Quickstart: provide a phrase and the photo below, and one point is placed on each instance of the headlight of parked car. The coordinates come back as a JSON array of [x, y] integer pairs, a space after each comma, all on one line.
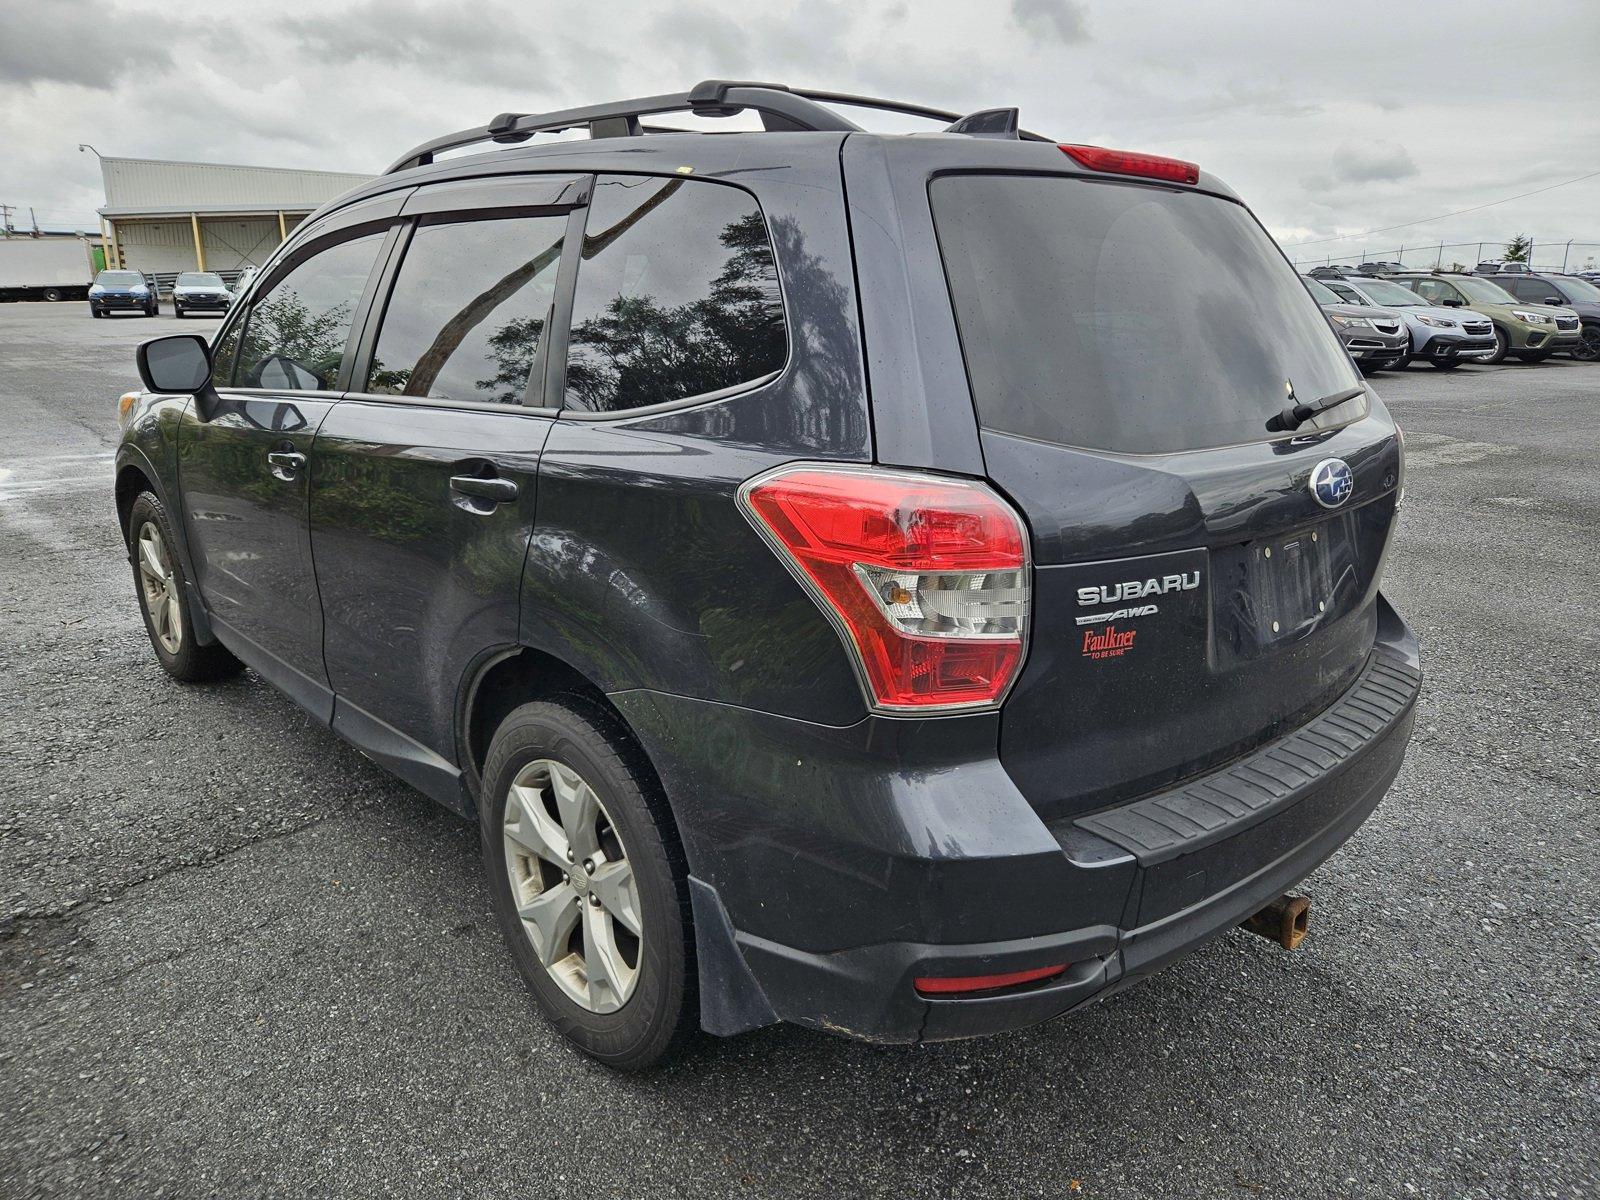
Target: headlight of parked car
[[1532, 318], [1345, 322], [1438, 322]]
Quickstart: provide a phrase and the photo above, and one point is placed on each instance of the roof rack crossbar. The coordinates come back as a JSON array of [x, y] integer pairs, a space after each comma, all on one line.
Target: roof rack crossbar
[[782, 109]]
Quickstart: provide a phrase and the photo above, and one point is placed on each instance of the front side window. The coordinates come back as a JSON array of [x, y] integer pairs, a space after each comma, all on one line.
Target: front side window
[[677, 295], [468, 310], [1435, 291], [296, 332]]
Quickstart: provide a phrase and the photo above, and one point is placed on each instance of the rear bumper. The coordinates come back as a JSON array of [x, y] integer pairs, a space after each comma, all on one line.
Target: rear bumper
[[832, 868]]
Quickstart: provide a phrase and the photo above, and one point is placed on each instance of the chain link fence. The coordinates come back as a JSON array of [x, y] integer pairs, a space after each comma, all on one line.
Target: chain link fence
[[1421, 256]]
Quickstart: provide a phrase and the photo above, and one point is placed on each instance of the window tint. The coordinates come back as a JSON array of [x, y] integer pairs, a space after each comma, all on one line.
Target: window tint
[[677, 295], [1122, 317], [296, 332], [468, 310]]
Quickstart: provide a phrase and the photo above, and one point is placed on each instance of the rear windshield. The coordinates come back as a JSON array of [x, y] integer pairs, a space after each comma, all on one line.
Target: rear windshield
[[1130, 318]]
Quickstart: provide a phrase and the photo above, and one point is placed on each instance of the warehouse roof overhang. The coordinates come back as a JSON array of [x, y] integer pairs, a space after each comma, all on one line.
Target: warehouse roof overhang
[[207, 210]]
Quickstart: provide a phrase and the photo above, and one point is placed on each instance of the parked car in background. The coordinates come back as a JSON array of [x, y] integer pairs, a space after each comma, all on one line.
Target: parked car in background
[[801, 649], [1380, 268], [1530, 332], [123, 291], [241, 285], [1374, 337], [1445, 337], [1496, 266], [1567, 291], [199, 291]]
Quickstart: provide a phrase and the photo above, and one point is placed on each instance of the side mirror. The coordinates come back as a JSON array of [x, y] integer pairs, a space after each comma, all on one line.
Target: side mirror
[[1451, 302], [1556, 300], [180, 362]]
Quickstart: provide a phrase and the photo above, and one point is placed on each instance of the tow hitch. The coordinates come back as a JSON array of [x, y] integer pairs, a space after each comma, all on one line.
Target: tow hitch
[[1284, 921]]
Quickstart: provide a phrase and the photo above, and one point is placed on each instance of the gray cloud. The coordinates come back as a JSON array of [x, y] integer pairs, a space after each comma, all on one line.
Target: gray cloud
[[1064, 20], [78, 42], [712, 37], [489, 44], [1372, 162]]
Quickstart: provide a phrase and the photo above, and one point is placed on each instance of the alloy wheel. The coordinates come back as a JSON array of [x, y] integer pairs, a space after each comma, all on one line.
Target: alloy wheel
[[158, 588], [573, 886], [1588, 348]]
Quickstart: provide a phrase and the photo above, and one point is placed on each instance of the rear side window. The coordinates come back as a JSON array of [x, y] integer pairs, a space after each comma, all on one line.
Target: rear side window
[[1129, 318], [469, 309], [677, 295], [296, 332]]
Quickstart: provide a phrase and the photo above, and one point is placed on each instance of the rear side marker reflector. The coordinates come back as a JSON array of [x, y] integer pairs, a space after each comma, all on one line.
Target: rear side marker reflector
[[925, 577], [1129, 162], [963, 984]]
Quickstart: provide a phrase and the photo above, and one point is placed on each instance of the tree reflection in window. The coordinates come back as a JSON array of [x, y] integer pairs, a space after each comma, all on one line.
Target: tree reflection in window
[[677, 295], [295, 335], [459, 325]]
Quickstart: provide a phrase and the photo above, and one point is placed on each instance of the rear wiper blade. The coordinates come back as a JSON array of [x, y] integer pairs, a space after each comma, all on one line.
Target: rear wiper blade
[[1296, 414]]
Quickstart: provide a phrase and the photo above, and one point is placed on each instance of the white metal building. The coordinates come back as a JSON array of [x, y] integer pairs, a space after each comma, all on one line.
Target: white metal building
[[165, 217]]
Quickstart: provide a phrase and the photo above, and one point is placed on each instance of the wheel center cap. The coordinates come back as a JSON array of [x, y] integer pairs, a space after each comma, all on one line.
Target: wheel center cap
[[580, 880]]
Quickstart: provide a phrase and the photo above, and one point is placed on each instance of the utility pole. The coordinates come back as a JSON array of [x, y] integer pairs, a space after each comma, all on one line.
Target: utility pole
[[5, 218], [34, 217]]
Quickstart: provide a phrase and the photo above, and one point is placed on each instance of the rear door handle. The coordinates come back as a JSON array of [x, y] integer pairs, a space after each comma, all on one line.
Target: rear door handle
[[285, 464], [493, 489]]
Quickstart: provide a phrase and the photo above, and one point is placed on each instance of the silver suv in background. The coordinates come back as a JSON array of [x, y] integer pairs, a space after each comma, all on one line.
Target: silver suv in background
[[1445, 337], [1374, 337]]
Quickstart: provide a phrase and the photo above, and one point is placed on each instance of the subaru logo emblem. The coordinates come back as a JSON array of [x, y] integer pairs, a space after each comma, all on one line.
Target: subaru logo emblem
[[1331, 482]]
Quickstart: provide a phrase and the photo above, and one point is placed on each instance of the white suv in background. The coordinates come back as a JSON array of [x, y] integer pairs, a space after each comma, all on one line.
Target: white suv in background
[[1444, 337]]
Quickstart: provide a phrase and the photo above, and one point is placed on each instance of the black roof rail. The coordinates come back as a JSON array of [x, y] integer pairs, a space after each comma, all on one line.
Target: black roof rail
[[782, 110]]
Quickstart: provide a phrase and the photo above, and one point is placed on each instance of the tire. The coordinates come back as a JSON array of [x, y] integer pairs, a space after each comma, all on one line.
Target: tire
[[1588, 347], [658, 1006], [1502, 346], [177, 310], [96, 313], [1447, 364], [54, 294], [180, 656], [1401, 363]]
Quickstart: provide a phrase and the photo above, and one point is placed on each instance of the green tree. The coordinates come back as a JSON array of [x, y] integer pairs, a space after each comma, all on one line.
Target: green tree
[[1518, 248]]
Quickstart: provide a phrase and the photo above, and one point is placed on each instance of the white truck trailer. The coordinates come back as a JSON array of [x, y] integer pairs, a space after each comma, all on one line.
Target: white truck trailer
[[45, 268]]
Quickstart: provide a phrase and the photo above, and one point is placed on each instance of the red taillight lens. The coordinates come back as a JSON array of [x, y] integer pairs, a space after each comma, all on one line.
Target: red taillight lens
[[945, 986], [1129, 162], [927, 578]]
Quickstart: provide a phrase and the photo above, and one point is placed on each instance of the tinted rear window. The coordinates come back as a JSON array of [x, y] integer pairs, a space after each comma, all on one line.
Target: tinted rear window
[[1129, 318]]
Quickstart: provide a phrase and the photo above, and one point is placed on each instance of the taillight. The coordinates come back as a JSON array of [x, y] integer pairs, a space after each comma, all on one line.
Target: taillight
[[926, 578], [1129, 162]]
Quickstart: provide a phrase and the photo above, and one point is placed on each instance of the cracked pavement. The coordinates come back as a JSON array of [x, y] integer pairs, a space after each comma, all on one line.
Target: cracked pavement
[[238, 959]]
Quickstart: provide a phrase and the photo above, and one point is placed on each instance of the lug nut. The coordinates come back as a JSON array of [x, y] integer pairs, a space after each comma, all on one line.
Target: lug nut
[[570, 856], [588, 865], [594, 901]]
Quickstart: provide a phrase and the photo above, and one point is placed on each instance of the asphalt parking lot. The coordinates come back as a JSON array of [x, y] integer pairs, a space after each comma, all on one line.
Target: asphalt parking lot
[[236, 958]]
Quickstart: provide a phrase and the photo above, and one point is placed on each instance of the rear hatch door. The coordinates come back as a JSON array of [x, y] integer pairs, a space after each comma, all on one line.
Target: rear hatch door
[[1203, 582]]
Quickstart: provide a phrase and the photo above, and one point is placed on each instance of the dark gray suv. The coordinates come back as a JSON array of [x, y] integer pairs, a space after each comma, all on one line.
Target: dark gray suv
[[836, 596]]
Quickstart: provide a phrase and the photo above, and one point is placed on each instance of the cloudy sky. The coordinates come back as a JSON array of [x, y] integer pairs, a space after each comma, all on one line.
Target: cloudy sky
[[1329, 118]]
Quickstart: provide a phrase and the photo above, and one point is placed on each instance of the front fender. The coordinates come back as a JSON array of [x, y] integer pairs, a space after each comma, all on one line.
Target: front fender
[[149, 450]]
